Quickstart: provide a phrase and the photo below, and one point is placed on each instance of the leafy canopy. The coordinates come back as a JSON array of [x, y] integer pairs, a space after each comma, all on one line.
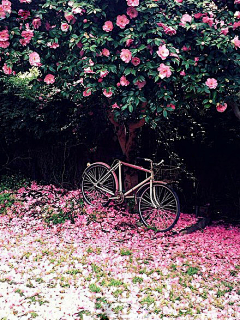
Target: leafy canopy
[[174, 54]]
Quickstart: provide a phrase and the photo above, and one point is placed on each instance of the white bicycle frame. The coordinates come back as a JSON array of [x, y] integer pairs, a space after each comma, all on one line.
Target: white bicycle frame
[[126, 194]]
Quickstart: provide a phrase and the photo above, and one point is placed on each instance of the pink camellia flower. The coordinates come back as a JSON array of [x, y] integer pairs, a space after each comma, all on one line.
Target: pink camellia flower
[[64, 27], [24, 14], [6, 69], [27, 34], [122, 21], [237, 1], [179, 1], [34, 59], [132, 12], [133, 3], [53, 45], [163, 52], [115, 106], [69, 17], [236, 42], [108, 26], [182, 73], [107, 94], [237, 14], [2, 12], [103, 73], [4, 35], [124, 81], [198, 15], [236, 25], [129, 42], [25, 1], [126, 55], [87, 92], [221, 107], [88, 70], [135, 61], [36, 23], [49, 79], [172, 106], [186, 18], [211, 83], [105, 52], [140, 84], [208, 20], [224, 31], [164, 71], [4, 44], [6, 6], [169, 31]]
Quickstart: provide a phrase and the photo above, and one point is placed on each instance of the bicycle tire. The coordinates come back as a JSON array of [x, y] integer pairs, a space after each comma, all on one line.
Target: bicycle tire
[[95, 193], [163, 213]]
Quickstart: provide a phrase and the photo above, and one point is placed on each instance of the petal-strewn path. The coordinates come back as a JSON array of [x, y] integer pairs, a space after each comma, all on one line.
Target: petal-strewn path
[[106, 266]]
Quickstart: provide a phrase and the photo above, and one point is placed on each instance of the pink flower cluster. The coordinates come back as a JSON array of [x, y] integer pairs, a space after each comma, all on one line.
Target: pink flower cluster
[[163, 52], [126, 55], [221, 107], [4, 39], [108, 26], [36, 23], [170, 31], [132, 12], [5, 8], [6, 69], [24, 14], [211, 83], [133, 3], [27, 36], [122, 21], [49, 79]]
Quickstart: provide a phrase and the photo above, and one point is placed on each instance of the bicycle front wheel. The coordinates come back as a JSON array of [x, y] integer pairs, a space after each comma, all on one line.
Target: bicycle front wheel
[[98, 184], [161, 210]]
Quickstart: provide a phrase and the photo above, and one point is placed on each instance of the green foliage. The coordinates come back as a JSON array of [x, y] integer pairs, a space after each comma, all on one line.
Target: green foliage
[[13, 182], [6, 201]]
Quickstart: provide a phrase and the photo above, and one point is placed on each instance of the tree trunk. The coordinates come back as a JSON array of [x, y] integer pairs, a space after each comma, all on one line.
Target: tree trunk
[[127, 138]]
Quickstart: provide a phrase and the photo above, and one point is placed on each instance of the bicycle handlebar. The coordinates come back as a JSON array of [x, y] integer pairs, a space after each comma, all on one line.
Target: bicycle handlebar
[[145, 159]]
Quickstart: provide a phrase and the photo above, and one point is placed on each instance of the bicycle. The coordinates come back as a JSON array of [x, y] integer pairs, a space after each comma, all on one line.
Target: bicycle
[[158, 204]]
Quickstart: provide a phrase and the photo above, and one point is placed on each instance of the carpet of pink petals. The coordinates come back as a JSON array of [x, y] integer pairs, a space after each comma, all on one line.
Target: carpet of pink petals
[[107, 266]]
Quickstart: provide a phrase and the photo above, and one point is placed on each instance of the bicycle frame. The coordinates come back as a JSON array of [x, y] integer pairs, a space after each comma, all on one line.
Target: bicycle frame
[[118, 166]]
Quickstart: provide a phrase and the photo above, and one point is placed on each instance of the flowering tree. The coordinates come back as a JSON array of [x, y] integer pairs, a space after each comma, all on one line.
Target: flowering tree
[[142, 59]]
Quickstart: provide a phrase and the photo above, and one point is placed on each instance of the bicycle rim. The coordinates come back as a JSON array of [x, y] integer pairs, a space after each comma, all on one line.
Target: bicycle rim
[[163, 212], [98, 185]]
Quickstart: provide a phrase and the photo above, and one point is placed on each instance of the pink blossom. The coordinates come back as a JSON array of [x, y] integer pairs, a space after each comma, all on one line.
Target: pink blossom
[[224, 31], [208, 20], [211, 83], [49, 79], [4, 44], [78, 10], [108, 26], [129, 42], [132, 12], [135, 61], [140, 84], [87, 92], [133, 3], [88, 70], [6, 69], [6, 6], [107, 94], [122, 21], [182, 73], [124, 81], [172, 106], [2, 12], [179, 1], [53, 45], [186, 18], [237, 1], [24, 14], [169, 31], [36, 23], [221, 107], [198, 15], [185, 48], [24, 41], [25, 1], [126, 55], [236, 42], [4, 35], [115, 106], [103, 73], [237, 14], [236, 25], [64, 27], [27, 34], [69, 17], [34, 59], [163, 52], [105, 52], [164, 71]]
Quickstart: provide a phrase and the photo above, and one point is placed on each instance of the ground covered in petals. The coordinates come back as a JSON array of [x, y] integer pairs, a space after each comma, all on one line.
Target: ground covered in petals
[[62, 260]]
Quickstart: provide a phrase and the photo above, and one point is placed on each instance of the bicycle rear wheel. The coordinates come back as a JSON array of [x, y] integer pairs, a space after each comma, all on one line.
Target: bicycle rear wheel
[[161, 212], [98, 184]]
